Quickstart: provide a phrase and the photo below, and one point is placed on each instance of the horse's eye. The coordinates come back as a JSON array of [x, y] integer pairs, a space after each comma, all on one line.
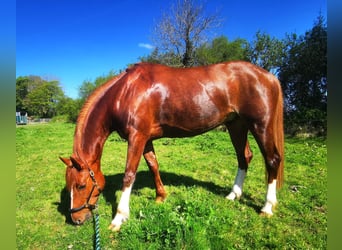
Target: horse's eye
[[81, 187]]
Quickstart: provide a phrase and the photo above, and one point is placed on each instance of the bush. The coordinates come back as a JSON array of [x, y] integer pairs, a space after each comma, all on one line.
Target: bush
[[311, 122], [59, 118]]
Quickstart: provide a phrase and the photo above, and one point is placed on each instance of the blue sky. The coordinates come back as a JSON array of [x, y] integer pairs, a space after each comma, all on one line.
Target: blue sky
[[73, 41]]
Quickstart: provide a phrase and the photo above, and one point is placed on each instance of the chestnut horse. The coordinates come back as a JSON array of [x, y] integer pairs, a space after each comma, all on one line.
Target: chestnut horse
[[150, 101]]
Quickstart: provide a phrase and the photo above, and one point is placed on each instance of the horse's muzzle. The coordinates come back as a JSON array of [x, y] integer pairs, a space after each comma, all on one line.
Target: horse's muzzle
[[80, 219]]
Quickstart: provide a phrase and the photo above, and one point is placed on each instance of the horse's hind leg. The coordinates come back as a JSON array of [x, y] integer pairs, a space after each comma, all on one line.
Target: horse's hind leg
[[151, 160], [265, 140], [238, 134]]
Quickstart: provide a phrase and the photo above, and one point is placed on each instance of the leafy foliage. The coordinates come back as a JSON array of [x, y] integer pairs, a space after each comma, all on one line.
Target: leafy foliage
[[266, 52], [70, 107], [303, 75], [37, 96], [22, 84], [88, 86], [221, 50]]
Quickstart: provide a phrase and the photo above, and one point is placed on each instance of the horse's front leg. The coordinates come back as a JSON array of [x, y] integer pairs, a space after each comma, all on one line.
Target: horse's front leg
[[238, 134], [136, 144], [241, 174]]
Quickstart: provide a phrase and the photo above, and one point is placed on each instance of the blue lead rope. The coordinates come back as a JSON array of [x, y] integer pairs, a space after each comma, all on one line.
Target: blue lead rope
[[97, 231]]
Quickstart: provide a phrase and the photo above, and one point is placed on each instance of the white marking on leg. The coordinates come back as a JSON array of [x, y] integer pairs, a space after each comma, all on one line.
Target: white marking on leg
[[122, 212], [271, 198], [237, 187]]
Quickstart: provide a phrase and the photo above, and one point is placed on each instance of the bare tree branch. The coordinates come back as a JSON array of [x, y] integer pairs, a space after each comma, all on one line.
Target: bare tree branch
[[183, 29]]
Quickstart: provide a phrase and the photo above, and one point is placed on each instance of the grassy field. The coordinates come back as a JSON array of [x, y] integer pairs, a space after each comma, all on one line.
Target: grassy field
[[197, 172]]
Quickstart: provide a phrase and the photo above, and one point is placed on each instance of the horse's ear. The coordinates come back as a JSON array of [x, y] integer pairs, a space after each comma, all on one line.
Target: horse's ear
[[71, 162], [66, 161], [75, 163]]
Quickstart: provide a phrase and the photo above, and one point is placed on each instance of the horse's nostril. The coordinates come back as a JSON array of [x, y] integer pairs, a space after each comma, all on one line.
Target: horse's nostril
[[78, 222]]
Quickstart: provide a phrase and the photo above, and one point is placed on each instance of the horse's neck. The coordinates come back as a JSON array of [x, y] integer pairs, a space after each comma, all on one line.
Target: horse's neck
[[88, 143], [94, 123], [91, 134]]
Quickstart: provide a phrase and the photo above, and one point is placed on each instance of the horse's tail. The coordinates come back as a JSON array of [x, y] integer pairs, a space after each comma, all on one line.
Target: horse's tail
[[278, 128]]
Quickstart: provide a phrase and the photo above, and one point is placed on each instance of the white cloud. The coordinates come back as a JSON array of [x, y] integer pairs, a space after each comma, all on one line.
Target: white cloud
[[146, 45]]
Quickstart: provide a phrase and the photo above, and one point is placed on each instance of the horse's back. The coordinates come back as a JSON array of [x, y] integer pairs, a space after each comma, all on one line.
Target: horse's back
[[227, 86], [239, 72]]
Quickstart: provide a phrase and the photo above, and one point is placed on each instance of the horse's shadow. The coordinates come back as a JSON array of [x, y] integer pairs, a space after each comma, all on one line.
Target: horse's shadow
[[145, 179], [64, 205]]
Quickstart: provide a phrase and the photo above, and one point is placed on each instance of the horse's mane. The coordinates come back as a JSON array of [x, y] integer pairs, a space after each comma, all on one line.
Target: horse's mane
[[93, 98]]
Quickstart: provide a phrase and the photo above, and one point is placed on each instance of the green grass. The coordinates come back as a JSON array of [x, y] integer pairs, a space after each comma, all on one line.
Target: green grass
[[197, 172]]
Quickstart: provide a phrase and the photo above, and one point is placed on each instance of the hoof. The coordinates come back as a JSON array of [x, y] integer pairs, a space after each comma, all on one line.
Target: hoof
[[265, 215], [232, 196], [114, 228], [267, 210], [275, 205], [160, 199]]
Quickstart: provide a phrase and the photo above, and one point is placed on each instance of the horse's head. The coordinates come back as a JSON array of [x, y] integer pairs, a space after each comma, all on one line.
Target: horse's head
[[85, 186]]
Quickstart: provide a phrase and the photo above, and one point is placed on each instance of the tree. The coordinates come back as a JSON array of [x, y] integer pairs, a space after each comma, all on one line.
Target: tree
[[303, 75], [37, 96], [182, 29], [266, 52], [43, 99], [21, 90], [69, 107], [85, 89], [221, 50], [88, 87]]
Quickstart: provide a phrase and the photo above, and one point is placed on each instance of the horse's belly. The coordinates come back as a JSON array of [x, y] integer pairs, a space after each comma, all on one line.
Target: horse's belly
[[188, 123]]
